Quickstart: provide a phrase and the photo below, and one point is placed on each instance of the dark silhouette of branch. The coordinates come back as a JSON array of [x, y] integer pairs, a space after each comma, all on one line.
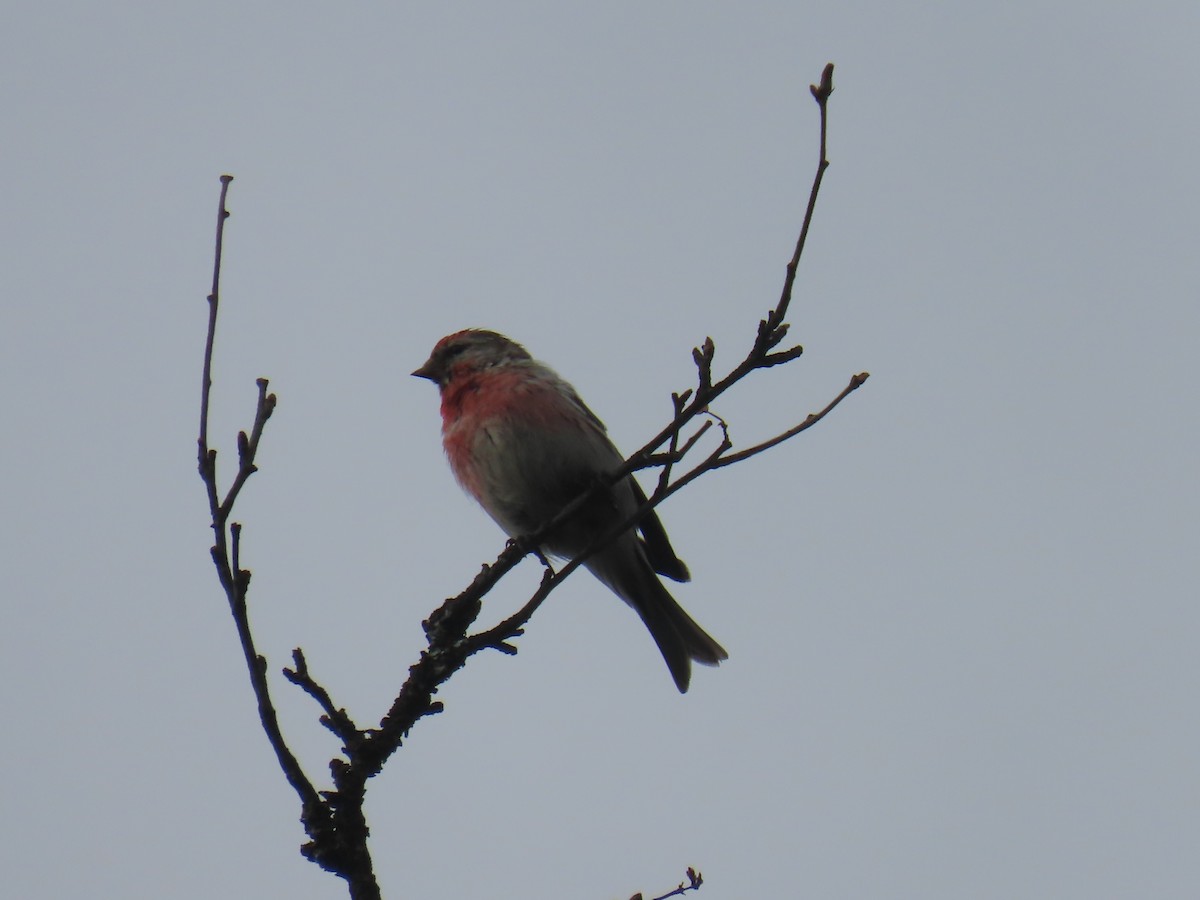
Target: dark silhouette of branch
[[694, 880], [341, 830], [333, 819]]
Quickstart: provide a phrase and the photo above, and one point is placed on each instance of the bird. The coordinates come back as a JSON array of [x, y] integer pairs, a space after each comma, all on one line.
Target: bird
[[522, 443]]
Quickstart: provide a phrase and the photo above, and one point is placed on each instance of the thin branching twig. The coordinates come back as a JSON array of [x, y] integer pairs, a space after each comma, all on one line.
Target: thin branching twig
[[341, 831], [694, 880]]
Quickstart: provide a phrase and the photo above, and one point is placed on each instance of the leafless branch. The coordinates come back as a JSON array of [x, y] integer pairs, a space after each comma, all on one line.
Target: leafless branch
[[333, 819], [335, 719], [694, 880], [334, 827]]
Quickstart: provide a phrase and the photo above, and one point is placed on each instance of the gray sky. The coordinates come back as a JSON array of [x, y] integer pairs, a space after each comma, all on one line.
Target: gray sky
[[961, 612]]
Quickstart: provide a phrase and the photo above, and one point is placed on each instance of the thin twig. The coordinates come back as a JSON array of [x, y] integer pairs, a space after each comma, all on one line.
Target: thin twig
[[335, 719], [248, 447], [213, 300], [694, 880], [855, 383], [821, 94], [677, 403]]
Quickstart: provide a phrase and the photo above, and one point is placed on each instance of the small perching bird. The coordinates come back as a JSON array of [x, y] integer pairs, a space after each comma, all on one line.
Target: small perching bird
[[522, 443]]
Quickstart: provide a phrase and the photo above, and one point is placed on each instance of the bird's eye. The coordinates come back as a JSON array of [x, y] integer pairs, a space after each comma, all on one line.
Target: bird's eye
[[452, 351]]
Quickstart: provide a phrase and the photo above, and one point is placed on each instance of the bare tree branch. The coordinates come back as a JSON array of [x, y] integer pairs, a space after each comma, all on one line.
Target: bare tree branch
[[694, 880], [318, 815], [333, 819]]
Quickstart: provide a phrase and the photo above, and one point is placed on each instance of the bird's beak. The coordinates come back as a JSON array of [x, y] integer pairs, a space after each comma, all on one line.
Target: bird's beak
[[426, 371]]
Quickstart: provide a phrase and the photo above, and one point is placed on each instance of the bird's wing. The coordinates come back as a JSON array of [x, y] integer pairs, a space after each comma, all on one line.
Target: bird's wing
[[659, 551]]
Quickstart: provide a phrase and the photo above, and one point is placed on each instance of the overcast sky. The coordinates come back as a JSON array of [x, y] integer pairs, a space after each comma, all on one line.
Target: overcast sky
[[961, 612]]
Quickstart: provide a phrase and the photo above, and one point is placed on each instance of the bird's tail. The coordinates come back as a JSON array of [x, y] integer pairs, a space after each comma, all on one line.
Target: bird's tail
[[679, 638]]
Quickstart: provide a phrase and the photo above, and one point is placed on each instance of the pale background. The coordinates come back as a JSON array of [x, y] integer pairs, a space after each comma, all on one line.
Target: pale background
[[961, 612]]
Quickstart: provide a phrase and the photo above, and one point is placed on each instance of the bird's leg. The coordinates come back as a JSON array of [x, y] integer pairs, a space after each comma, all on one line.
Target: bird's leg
[[536, 551], [545, 561]]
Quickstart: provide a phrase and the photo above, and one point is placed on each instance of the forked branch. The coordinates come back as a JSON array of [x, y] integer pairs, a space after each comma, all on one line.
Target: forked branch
[[333, 819]]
